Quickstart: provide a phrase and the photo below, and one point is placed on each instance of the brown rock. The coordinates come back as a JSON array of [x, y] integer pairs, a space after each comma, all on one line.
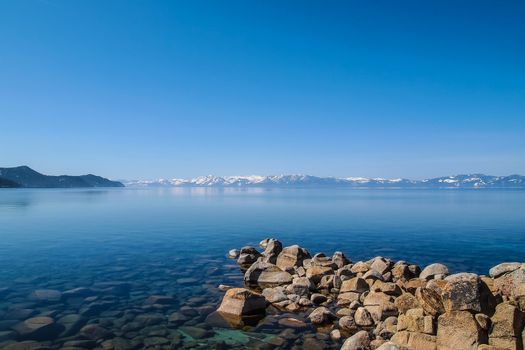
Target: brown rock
[[405, 302], [241, 302], [462, 292], [430, 301], [356, 284], [458, 330]]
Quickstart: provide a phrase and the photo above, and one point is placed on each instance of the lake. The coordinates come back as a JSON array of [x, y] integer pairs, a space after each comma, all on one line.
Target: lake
[[129, 244]]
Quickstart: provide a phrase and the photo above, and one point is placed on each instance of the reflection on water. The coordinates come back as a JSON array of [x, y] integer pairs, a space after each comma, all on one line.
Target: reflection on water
[[96, 257]]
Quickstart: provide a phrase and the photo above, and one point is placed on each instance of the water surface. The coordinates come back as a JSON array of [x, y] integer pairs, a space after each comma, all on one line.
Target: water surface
[[173, 242]]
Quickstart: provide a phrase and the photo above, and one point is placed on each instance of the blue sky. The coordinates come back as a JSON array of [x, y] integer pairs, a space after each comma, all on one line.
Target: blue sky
[[146, 89]]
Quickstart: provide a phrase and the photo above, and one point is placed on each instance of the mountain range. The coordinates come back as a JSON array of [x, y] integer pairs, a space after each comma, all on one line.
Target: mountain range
[[24, 176], [455, 181]]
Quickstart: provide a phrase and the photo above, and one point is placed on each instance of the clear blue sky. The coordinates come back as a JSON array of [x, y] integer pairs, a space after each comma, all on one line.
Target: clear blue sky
[[146, 89]]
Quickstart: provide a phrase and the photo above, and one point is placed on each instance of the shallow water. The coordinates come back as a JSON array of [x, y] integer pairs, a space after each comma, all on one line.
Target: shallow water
[[129, 244]]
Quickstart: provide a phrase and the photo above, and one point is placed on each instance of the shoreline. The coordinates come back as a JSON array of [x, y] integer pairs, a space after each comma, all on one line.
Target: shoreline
[[379, 303]]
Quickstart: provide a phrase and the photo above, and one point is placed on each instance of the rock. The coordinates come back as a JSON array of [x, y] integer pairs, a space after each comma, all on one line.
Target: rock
[[391, 346], [503, 268], [321, 315], [274, 295], [359, 341], [196, 332], [160, 300], [241, 302], [292, 256], [363, 318], [272, 250], [266, 275], [317, 298], [356, 284], [422, 341], [335, 335], [46, 295], [458, 330], [233, 253], [380, 305], [405, 302], [412, 285], [292, 323], [71, 324], [360, 267], [462, 292], [483, 321], [340, 260], [348, 324], [330, 281], [94, 332], [401, 272], [433, 270], [507, 282], [25, 345], [247, 256], [381, 265], [37, 328], [507, 321], [79, 292], [316, 272], [345, 299], [430, 301]]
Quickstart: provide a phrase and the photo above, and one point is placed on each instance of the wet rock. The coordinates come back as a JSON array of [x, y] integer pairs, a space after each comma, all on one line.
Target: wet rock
[[359, 341], [458, 330], [321, 315], [433, 270], [79, 292], [160, 300], [462, 292], [46, 295], [95, 332], [292, 323], [233, 253], [264, 275], [292, 256], [38, 328], [241, 301], [155, 341], [430, 301], [71, 324], [196, 332], [25, 345]]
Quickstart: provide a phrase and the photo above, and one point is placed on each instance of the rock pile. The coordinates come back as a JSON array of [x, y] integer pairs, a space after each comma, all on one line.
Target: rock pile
[[382, 304]]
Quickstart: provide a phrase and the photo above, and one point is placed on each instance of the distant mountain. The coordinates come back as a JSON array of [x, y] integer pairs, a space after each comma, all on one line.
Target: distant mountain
[[24, 176], [457, 181]]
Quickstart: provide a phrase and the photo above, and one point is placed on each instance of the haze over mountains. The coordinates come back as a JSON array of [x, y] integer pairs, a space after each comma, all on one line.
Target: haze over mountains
[[24, 176], [456, 181]]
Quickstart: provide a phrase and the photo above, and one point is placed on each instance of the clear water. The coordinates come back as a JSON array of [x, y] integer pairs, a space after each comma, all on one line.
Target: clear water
[[173, 242]]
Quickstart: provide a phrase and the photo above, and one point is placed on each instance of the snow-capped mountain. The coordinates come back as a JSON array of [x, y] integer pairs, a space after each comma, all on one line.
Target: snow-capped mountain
[[457, 181]]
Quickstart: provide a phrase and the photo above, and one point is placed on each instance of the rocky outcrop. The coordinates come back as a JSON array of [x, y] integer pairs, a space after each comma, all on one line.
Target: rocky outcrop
[[382, 304]]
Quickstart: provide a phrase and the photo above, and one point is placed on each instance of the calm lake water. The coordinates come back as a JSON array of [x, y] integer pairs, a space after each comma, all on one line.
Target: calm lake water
[[125, 245]]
